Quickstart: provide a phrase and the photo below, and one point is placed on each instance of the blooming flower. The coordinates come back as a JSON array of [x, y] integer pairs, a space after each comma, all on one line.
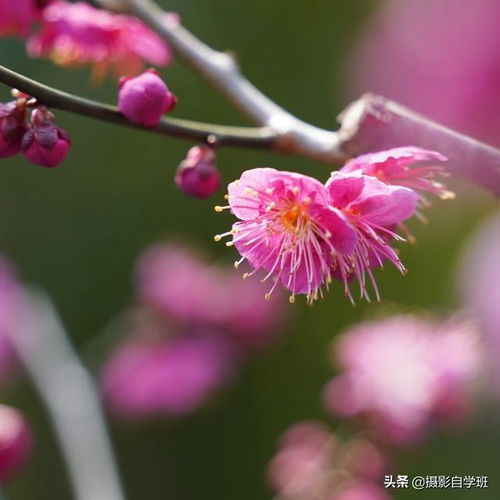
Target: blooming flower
[[373, 208], [403, 374], [169, 376], [456, 82], [313, 464], [403, 167], [44, 143], [198, 175], [16, 17], [75, 34], [145, 98], [15, 442], [304, 233], [12, 128]]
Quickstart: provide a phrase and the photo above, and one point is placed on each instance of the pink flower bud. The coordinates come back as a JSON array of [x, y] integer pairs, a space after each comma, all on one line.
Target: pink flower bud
[[45, 144], [12, 129], [145, 98], [197, 175], [15, 442]]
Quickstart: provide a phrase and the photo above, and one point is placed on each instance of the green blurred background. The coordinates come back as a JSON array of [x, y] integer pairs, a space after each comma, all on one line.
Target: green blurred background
[[77, 230]]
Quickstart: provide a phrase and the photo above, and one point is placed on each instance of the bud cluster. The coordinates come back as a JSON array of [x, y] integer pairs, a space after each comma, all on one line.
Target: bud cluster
[[29, 128]]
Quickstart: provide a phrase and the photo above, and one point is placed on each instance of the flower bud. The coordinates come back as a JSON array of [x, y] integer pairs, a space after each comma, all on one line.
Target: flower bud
[[145, 98], [197, 175], [45, 144], [15, 442], [12, 129]]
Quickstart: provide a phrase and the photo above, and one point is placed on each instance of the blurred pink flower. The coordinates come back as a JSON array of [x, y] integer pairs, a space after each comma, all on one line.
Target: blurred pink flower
[[440, 59], [170, 377], [312, 464], [15, 442], [403, 374], [12, 309], [17, 16], [178, 283], [479, 283], [75, 34]]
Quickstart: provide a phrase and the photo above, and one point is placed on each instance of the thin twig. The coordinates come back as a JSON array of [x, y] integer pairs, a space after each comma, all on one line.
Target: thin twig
[[68, 393], [372, 123], [221, 71], [235, 136]]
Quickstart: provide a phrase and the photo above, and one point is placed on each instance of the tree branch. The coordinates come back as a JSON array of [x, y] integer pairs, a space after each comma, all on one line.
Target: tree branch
[[221, 71], [68, 393], [372, 123], [184, 129]]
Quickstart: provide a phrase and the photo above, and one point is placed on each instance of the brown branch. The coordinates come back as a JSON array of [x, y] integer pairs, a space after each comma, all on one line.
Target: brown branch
[[374, 123], [251, 137]]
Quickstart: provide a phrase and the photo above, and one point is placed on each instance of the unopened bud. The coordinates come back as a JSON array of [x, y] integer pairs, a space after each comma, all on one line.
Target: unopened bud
[[12, 129], [145, 98], [198, 175]]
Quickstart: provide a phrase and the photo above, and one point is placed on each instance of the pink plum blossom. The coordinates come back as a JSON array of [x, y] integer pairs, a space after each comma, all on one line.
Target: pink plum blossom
[[12, 128], [441, 60], [45, 144], [288, 229], [15, 442], [403, 374], [75, 34], [167, 377], [198, 175], [183, 287], [313, 464], [17, 16], [303, 233], [405, 166], [374, 209], [145, 98]]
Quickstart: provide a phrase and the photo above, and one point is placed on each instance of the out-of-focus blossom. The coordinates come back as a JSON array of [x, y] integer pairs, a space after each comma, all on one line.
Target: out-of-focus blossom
[[406, 166], [12, 128], [303, 233], [312, 464], [45, 144], [170, 376], [198, 175], [145, 98], [75, 34], [12, 310], [404, 374], [17, 16], [179, 284], [15, 442], [196, 325], [456, 82], [479, 282]]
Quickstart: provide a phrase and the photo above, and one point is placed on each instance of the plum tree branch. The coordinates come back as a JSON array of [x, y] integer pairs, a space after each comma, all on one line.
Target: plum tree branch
[[186, 129], [372, 123]]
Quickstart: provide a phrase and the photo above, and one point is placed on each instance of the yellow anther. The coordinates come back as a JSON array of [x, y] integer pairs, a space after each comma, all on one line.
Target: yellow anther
[[218, 208], [229, 243], [291, 299], [217, 237], [267, 296], [245, 276]]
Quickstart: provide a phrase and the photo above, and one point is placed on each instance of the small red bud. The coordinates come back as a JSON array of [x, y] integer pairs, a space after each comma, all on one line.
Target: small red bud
[[45, 144], [198, 175], [12, 128], [145, 98]]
